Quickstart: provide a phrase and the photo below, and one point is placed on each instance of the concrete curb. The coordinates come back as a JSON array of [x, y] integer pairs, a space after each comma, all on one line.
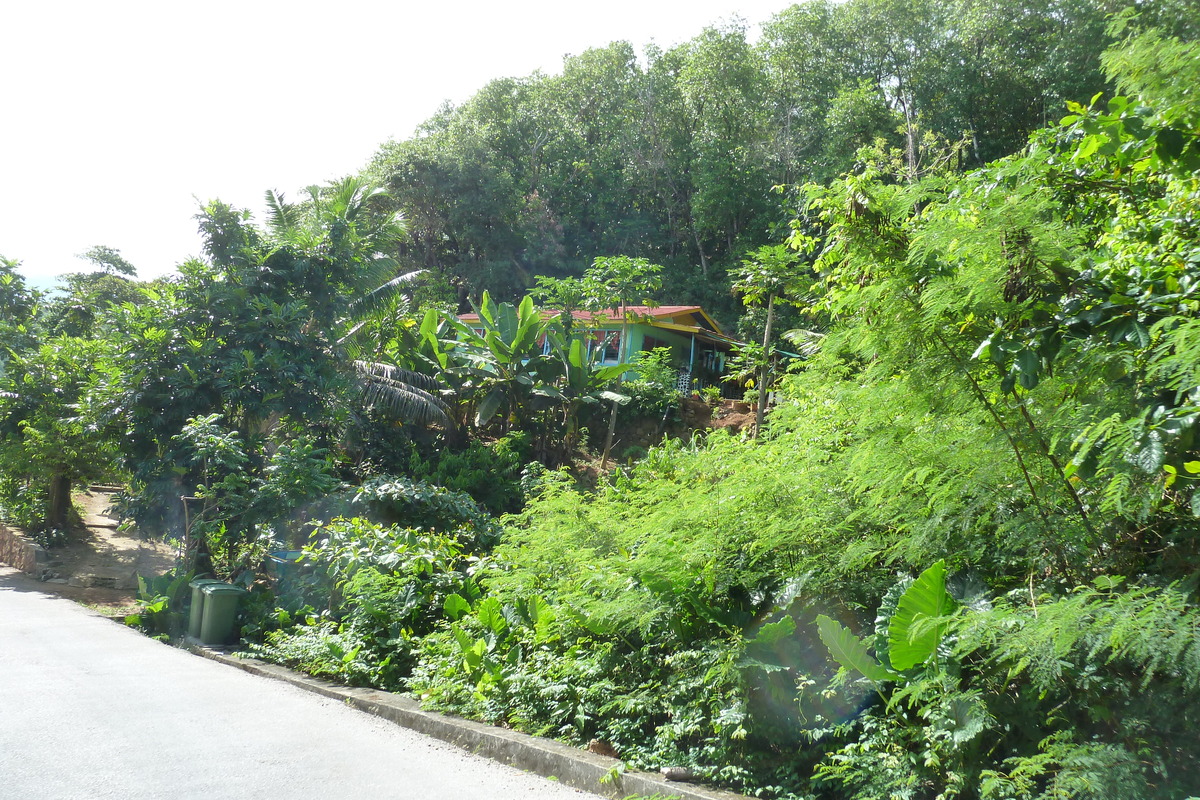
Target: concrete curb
[[571, 766]]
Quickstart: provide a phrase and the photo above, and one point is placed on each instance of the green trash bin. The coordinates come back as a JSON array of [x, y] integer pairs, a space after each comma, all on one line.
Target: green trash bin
[[196, 613], [221, 601]]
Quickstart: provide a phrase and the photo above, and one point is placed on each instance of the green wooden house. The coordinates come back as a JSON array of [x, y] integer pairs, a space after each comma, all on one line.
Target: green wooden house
[[699, 346]]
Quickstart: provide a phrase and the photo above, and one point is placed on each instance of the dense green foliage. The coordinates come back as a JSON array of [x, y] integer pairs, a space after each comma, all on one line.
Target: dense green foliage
[[959, 558], [1006, 384], [671, 154], [377, 582]]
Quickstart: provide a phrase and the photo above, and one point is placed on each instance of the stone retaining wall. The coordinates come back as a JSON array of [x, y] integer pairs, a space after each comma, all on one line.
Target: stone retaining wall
[[17, 551]]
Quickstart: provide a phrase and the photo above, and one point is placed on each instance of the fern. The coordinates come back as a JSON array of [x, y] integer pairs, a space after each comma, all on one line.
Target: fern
[[1153, 631]]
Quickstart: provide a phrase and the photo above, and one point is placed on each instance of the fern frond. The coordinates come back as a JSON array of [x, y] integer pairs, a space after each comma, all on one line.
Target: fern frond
[[1154, 631], [807, 342]]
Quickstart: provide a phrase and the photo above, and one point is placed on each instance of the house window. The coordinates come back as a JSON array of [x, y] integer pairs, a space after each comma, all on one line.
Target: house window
[[605, 346], [612, 347], [651, 343]]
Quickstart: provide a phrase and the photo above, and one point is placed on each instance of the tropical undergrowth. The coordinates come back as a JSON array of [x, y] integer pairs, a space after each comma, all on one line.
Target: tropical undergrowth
[[370, 586], [960, 561], [1003, 404]]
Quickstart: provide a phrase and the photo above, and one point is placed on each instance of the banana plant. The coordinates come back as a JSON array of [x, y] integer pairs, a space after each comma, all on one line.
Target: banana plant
[[500, 359], [582, 382]]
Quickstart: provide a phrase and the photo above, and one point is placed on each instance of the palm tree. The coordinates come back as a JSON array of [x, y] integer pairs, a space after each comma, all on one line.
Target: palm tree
[[351, 230], [403, 393]]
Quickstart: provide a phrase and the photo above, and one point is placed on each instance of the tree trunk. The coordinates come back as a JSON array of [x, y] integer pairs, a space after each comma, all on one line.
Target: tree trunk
[[612, 420], [58, 502], [608, 439], [764, 371], [700, 250]]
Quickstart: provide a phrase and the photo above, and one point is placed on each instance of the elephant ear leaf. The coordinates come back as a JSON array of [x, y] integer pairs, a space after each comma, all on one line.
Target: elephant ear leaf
[[915, 631], [848, 650]]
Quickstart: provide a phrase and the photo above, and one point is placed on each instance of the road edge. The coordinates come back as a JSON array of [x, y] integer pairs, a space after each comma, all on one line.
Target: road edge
[[568, 765]]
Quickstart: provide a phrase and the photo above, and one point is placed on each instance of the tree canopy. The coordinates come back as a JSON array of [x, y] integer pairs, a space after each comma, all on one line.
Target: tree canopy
[[958, 558]]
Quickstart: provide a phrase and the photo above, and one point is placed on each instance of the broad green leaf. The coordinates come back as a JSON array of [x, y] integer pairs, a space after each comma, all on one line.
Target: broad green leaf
[[507, 321], [614, 397], [486, 308], [1192, 466], [455, 606], [1139, 334], [848, 650], [604, 374], [525, 310], [911, 639], [983, 348], [464, 639], [772, 632], [965, 721], [1169, 144], [500, 348], [488, 407], [1089, 146], [491, 614], [1028, 362], [576, 355], [528, 331], [537, 610]]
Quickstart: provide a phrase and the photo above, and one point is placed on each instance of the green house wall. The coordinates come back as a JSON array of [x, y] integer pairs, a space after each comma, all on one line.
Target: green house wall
[[681, 344]]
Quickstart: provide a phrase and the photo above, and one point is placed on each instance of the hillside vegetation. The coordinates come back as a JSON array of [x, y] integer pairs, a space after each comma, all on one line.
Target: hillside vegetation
[[960, 558]]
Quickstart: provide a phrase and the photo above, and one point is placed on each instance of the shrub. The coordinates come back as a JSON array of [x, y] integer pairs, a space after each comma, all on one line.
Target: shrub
[[490, 474], [386, 586], [420, 504]]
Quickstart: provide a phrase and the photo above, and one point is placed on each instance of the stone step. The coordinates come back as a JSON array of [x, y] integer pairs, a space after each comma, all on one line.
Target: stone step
[[101, 581]]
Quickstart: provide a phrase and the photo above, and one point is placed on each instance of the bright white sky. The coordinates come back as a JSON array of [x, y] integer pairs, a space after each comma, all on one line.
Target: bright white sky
[[118, 117]]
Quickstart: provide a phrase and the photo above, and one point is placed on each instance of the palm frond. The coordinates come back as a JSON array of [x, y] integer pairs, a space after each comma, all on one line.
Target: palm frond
[[348, 195], [403, 393], [283, 217], [382, 296], [393, 373], [349, 335], [808, 342]]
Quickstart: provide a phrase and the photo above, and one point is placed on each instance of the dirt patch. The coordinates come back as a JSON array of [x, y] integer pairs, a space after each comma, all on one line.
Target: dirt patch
[[99, 565], [734, 416], [116, 603]]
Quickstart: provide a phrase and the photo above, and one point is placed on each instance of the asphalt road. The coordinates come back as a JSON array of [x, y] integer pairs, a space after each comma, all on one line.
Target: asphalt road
[[90, 709]]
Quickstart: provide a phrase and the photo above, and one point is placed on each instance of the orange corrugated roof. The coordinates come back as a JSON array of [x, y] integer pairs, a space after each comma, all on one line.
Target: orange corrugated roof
[[638, 311], [614, 314]]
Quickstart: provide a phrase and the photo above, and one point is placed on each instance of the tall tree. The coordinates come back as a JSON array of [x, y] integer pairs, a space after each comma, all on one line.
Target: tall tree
[[768, 275], [48, 439]]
